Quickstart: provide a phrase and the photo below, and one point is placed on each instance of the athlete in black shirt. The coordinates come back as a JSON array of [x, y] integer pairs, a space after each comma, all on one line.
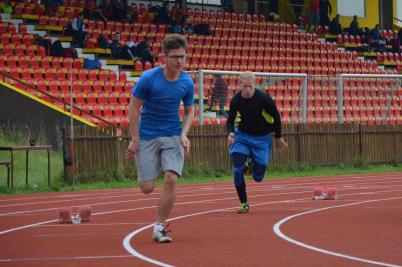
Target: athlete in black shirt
[[258, 118]]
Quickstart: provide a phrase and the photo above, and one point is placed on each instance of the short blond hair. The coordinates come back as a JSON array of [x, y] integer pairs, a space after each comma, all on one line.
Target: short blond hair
[[248, 76]]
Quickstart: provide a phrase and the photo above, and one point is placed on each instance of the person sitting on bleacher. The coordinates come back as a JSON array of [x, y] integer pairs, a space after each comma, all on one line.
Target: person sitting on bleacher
[[335, 27], [51, 6], [6, 7], [39, 40], [395, 43], [354, 27], [378, 40], [118, 11], [325, 10], [132, 14], [162, 14], [143, 51], [78, 30]]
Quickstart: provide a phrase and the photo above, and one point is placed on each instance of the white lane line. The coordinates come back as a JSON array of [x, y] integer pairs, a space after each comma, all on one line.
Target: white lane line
[[217, 185], [133, 209], [148, 199], [278, 232], [65, 258], [135, 253], [268, 187], [94, 224]]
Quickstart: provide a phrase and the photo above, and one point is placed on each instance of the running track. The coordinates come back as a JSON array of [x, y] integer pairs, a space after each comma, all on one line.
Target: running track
[[284, 228]]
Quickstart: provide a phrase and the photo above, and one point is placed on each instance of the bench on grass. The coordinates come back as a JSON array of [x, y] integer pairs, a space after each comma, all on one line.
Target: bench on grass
[[7, 163]]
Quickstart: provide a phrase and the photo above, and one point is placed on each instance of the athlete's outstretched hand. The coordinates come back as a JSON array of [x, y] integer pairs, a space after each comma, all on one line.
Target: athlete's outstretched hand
[[186, 144], [132, 149], [231, 138], [280, 144]]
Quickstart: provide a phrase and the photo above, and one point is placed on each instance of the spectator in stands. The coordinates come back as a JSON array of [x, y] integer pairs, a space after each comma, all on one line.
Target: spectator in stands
[[189, 28], [118, 11], [105, 10], [162, 16], [115, 47], [314, 15], [219, 93], [143, 50], [6, 7], [378, 40], [132, 14], [202, 29], [39, 40], [252, 139], [325, 11], [78, 30], [273, 17], [335, 27], [395, 43], [400, 34], [354, 27], [51, 6], [175, 28], [366, 35], [158, 138]]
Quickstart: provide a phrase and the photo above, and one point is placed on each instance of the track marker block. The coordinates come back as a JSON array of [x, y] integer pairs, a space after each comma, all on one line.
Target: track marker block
[[324, 193], [85, 213], [65, 215]]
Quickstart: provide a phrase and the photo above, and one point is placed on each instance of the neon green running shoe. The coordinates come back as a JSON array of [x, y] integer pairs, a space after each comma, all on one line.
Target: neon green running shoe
[[244, 208], [247, 167]]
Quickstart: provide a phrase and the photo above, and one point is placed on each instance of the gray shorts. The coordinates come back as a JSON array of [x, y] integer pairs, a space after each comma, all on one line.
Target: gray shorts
[[159, 154]]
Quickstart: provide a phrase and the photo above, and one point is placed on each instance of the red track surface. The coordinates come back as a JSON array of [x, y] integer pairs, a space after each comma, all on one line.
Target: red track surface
[[284, 228]]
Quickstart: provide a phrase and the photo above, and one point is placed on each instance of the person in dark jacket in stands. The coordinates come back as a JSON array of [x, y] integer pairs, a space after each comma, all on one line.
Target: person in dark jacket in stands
[[335, 27], [395, 43], [143, 50], [354, 27], [78, 30], [325, 10]]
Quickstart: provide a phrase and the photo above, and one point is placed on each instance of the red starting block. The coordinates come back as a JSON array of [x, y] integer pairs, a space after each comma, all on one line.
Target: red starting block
[[324, 193], [84, 212], [65, 215]]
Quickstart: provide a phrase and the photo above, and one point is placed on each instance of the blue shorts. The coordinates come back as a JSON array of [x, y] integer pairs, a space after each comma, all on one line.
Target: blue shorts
[[258, 148]]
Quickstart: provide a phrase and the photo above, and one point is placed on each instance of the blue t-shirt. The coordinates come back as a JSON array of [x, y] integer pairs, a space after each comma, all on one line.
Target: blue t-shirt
[[162, 98]]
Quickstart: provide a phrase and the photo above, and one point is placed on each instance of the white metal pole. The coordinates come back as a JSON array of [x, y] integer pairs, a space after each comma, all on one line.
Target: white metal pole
[[340, 98], [72, 128], [201, 96]]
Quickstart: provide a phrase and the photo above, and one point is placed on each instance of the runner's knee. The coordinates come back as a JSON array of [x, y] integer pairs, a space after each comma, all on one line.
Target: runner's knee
[[238, 159], [170, 178], [147, 187], [258, 172]]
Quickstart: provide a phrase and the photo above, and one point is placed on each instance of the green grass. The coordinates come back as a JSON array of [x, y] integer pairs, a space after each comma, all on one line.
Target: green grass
[[191, 174], [37, 171]]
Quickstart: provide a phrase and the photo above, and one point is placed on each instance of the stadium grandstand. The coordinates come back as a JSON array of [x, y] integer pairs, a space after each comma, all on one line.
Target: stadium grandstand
[[87, 70]]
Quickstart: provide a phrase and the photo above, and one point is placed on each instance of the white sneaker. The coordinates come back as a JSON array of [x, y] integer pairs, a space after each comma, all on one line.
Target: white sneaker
[[161, 236]]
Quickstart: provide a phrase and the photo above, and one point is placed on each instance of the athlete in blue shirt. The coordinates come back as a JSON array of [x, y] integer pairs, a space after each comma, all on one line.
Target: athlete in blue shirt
[[158, 139]]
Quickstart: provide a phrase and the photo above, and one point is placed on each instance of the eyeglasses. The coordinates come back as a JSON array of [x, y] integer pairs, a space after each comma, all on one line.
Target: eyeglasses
[[178, 57]]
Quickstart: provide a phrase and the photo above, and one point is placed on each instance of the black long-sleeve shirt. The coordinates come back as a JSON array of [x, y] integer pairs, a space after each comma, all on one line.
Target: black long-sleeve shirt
[[251, 114]]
